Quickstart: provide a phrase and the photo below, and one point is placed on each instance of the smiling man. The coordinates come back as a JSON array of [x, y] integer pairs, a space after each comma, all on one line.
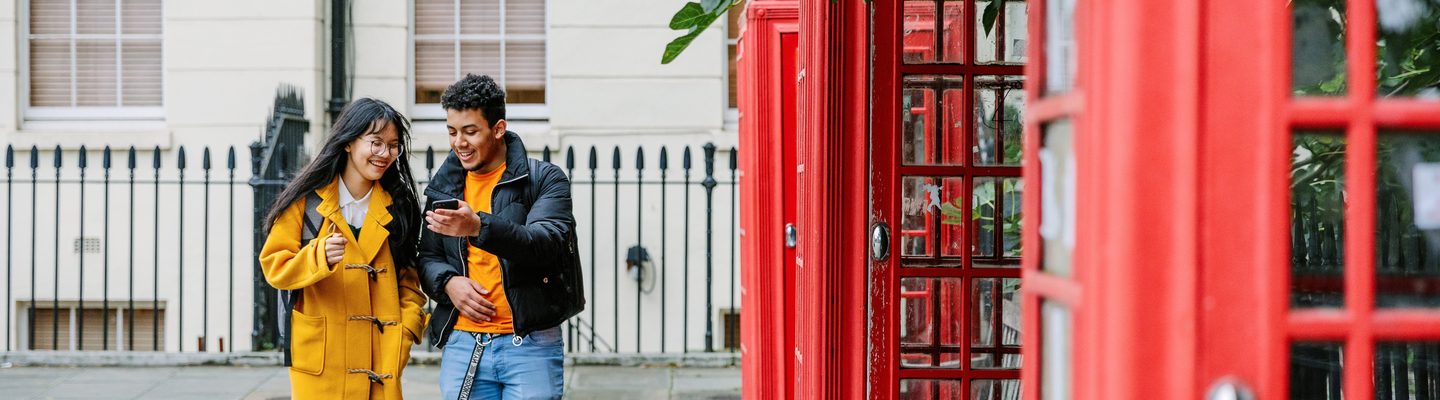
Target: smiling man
[[498, 265]]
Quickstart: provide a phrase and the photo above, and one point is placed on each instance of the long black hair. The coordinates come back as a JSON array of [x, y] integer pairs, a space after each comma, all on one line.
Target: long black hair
[[361, 117]]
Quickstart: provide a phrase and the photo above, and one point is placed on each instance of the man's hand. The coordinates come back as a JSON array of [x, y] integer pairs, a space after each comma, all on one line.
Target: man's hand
[[468, 298], [334, 247], [460, 222]]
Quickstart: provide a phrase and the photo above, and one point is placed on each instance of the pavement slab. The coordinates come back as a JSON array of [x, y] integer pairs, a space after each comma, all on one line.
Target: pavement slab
[[273, 383]]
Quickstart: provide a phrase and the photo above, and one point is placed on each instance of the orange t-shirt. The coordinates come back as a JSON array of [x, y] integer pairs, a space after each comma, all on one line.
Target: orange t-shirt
[[483, 267]]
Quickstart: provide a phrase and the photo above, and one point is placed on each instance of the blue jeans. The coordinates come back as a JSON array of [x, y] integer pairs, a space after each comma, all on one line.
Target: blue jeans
[[533, 370]]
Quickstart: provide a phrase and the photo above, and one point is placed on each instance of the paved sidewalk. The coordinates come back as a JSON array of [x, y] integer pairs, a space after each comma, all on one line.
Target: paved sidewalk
[[273, 383]]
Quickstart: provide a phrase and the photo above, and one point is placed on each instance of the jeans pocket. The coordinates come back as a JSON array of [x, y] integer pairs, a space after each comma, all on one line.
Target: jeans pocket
[[546, 337]]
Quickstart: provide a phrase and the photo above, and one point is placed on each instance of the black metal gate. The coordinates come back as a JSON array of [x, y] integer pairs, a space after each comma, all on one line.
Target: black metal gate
[[274, 160]]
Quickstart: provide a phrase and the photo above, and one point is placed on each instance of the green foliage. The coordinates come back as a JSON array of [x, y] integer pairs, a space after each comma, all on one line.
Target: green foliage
[[1407, 61], [694, 18], [991, 13]]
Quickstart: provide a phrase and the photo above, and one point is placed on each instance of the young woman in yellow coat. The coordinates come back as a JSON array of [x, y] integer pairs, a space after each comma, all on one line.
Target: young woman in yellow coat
[[359, 309]]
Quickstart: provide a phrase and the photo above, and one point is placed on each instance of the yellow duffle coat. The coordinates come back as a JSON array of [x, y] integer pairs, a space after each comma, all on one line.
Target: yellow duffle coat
[[351, 333]]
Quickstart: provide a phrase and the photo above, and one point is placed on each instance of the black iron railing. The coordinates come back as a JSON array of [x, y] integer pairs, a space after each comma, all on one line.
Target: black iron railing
[[167, 238]]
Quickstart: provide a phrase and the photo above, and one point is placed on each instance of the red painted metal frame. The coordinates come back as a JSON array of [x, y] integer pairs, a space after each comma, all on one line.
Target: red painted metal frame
[[885, 178], [1133, 108], [767, 128], [834, 119], [1361, 114], [1039, 286]]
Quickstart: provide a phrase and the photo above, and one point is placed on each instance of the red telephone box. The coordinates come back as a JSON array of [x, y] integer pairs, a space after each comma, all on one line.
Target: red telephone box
[[768, 57], [1213, 202]]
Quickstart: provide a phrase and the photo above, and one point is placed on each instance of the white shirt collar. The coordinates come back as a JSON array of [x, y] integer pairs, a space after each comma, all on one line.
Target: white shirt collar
[[346, 199], [353, 209]]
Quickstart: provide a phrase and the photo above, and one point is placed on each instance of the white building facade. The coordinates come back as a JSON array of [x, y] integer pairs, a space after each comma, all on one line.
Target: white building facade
[[202, 74]]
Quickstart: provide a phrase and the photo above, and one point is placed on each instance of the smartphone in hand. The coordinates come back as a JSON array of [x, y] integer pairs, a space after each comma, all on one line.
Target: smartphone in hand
[[447, 204]]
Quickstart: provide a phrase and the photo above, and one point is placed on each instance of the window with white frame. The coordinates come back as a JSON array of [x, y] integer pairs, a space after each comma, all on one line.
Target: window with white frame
[[94, 59], [732, 42], [501, 38]]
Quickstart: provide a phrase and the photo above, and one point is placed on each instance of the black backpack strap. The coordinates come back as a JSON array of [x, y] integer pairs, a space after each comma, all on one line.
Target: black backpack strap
[[291, 298], [533, 192]]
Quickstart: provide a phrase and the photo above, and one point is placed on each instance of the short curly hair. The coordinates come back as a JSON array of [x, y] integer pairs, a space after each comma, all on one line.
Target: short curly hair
[[476, 92]]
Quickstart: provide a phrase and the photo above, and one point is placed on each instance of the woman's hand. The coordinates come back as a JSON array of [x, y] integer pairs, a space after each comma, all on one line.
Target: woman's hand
[[334, 247]]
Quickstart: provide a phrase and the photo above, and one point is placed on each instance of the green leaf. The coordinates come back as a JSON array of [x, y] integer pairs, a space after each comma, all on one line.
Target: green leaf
[[678, 45], [711, 6], [1334, 85], [992, 12], [688, 16]]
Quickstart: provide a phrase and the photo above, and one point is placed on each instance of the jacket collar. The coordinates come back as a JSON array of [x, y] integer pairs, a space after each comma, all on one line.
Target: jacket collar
[[449, 179], [372, 232]]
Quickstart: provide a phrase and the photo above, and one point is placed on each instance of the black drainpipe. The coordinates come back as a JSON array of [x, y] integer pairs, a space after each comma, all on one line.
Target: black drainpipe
[[339, 27]]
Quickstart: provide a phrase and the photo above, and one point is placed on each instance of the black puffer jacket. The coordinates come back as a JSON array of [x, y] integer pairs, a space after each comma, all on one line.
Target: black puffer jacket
[[531, 243]]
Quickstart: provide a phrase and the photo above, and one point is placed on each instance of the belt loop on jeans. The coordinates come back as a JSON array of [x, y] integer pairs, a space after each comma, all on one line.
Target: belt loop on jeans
[[481, 341]]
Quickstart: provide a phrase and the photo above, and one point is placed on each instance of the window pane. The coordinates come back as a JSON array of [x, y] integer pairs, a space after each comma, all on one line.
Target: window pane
[[140, 74], [952, 48], [917, 120], [1017, 22], [952, 217], [524, 17], [919, 200], [1002, 389], [480, 58], [1056, 351], [1315, 371], [992, 117], [95, 17], [50, 17], [479, 17], [1060, 58], [434, 70], [929, 389], [918, 27], [140, 17], [1012, 132], [50, 79], [995, 313], [1005, 33], [930, 325], [1406, 370], [932, 129], [435, 17], [1317, 52], [985, 11], [983, 201], [1057, 198], [1317, 219], [1408, 49], [920, 42], [1407, 220], [993, 249], [95, 73], [733, 91], [525, 72], [931, 215], [1011, 217]]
